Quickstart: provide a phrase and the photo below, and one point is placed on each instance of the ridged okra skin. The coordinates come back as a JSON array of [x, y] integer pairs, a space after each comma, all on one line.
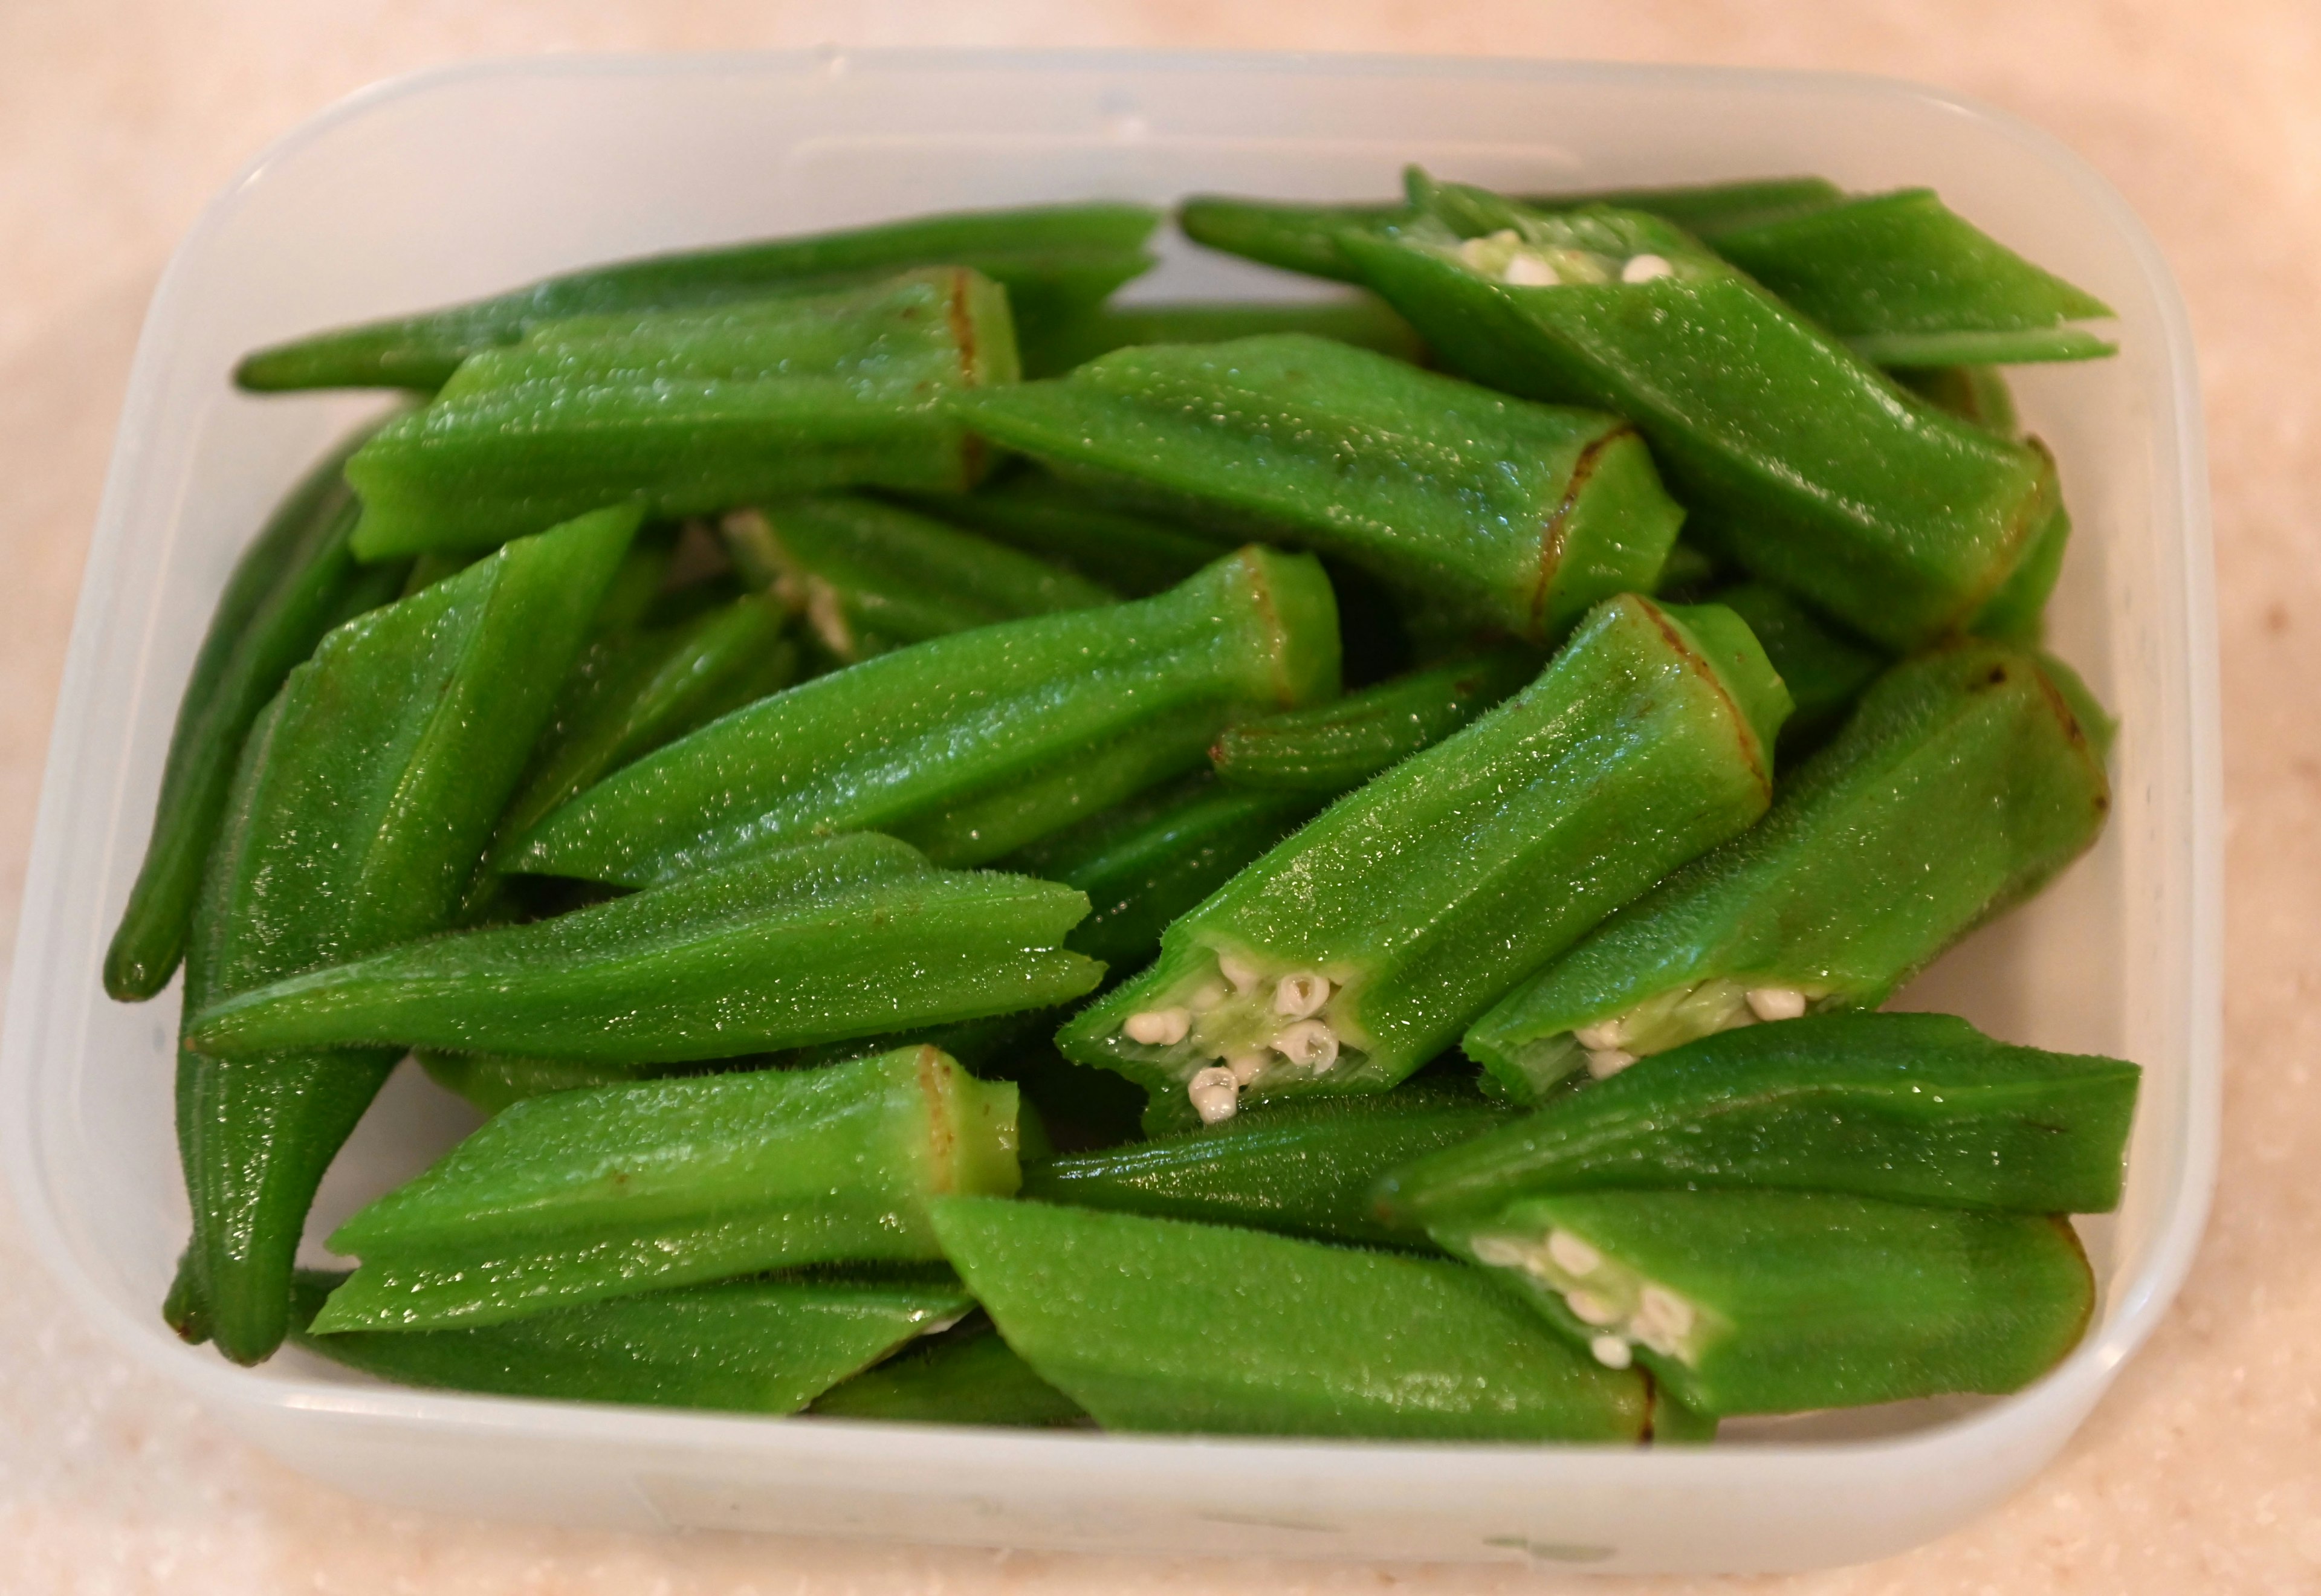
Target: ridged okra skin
[[843, 936], [1054, 260], [1334, 747], [1826, 670], [1356, 951], [492, 1081], [965, 1376], [1162, 1326], [1906, 1108], [1516, 515], [1303, 1168], [1785, 1301], [869, 577], [582, 1196], [1365, 322], [365, 796], [741, 1346], [1966, 779], [969, 746], [1136, 555], [1796, 457], [690, 413], [295, 582]]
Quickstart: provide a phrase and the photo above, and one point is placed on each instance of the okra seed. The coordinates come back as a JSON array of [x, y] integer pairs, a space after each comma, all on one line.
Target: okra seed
[[1158, 1028], [1245, 1067], [1603, 1037], [1243, 974], [1607, 1062], [1611, 1352], [1208, 997], [1658, 1305], [1216, 1095], [1301, 995], [1644, 269], [1571, 1255], [1500, 1251], [1777, 1003], [1309, 1042], [1526, 270], [1589, 1309]]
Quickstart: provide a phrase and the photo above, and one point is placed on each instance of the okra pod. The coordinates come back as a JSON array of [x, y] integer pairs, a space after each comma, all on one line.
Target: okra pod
[[843, 937], [581, 1196], [1135, 555], [1798, 458], [1053, 260], [1966, 779], [1907, 1107], [2017, 613], [1976, 393], [1358, 950], [492, 1081], [1302, 1168], [741, 1346], [963, 1376], [1826, 670], [365, 796], [1364, 322], [1334, 748], [691, 413], [870, 577], [969, 746], [293, 584], [1160, 1325], [1783, 1301], [1516, 515]]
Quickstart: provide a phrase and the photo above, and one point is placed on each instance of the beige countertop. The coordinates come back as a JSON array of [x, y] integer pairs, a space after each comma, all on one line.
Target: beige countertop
[[2201, 1471]]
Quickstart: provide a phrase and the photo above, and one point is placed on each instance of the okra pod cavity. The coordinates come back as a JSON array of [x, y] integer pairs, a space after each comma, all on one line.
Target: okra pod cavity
[[1335, 746], [1356, 951], [1516, 515], [1966, 779], [969, 746]]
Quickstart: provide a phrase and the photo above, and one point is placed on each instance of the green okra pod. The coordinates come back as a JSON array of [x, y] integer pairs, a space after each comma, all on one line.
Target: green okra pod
[[844, 937], [492, 1081], [1158, 1325], [1334, 747], [1976, 393], [1053, 260], [1514, 515], [963, 1376], [1303, 1168], [1135, 555], [1794, 457], [1966, 779], [869, 577], [691, 413], [2017, 613], [1825, 669], [365, 796], [1907, 1108], [1364, 322], [1783, 1301], [295, 583], [581, 1196], [968, 745], [741, 1346], [1357, 950]]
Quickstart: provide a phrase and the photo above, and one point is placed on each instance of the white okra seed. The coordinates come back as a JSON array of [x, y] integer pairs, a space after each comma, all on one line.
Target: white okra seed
[[1611, 1352], [1301, 995], [1589, 1309], [1158, 1028], [1243, 974], [1208, 996], [1527, 270], [1644, 269], [1216, 1096], [1245, 1067], [1661, 1307], [1309, 1042], [1571, 1255], [1500, 1251], [1603, 1037], [1777, 1003], [1607, 1062]]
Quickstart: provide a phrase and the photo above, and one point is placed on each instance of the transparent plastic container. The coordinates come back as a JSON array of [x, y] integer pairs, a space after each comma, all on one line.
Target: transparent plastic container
[[456, 182]]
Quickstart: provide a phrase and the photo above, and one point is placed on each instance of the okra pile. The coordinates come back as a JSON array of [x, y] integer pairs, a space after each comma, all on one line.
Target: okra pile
[[1311, 868]]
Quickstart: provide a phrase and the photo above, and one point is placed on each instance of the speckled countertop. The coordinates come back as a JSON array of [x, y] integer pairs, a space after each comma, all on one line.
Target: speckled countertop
[[2201, 1471]]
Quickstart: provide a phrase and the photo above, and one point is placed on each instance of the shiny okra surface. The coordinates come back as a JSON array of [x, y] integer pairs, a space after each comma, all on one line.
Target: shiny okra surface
[[1318, 868]]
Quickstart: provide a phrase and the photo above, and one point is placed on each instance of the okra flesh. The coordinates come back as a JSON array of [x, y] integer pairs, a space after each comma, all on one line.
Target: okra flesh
[[1041, 515], [1785, 1301], [1794, 457], [1961, 785], [582, 1196], [1516, 515], [691, 413], [1302, 1168], [961, 1377], [850, 936], [1905, 1107], [1356, 951], [970, 746], [744, 1347], [1054, 261], [1334, 748], [363, 800], [1157, 1325]]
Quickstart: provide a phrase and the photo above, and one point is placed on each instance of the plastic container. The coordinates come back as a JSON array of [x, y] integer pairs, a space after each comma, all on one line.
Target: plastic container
[[450, 184]]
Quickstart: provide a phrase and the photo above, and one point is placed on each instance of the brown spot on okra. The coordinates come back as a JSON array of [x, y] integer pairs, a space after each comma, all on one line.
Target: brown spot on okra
[[1745, 734], [1271, 615], [942, 1143], [2030, 517], [963, 329], [1552, 535]]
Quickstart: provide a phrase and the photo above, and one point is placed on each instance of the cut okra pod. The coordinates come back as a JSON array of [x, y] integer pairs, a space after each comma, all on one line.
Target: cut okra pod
[[364, 799], [969, 746], [691, 413], [1976, 393], [1334, 747], [1160, 1325], [741, 1346], [1357, 950], [1364, 322], [846, 937], [1907, 1108], [1966, 779], [581, 1196], [1135, 555], [1784, 1301], [1798, 458], [1514, 515], [963, 1376], [1053, 260], [492, 1081]]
